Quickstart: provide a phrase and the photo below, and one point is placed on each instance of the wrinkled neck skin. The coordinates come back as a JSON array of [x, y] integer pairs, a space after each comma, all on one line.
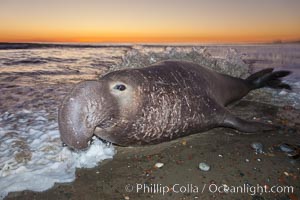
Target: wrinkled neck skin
[[82, 110]]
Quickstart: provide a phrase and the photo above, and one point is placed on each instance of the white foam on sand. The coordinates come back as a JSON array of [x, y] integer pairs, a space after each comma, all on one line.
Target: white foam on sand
[[287, 97], [32, 156]]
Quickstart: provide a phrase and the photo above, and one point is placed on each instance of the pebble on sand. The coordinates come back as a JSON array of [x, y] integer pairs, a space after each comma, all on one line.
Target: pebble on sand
[[159, 165], [258, 147], [204, 167], [286, 148]]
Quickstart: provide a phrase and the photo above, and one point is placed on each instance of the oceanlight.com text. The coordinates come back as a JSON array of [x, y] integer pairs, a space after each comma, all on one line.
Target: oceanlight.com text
[[211, 188]]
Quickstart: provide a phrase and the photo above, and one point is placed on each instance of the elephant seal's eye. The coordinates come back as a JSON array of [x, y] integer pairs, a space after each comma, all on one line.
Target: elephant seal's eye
[[120, 87]]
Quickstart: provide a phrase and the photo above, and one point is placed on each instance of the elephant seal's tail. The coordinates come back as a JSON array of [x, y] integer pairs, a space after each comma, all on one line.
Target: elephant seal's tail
[[268, 78]]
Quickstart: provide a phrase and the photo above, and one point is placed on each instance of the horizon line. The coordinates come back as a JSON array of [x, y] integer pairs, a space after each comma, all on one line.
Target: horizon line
[[279, 41]]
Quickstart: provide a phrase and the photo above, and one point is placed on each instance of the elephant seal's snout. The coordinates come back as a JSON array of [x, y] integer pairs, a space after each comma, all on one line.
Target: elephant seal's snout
[[80, 113]]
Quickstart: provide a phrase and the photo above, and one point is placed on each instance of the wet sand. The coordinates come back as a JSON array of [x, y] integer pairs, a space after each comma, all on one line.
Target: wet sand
[[232, 160]]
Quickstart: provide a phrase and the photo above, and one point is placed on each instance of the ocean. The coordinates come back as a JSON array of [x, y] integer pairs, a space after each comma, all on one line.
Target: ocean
[[34, 78]]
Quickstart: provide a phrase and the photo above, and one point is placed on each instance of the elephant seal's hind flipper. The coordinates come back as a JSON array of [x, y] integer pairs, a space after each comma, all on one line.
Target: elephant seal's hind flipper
[[268, 78], [245, 126]]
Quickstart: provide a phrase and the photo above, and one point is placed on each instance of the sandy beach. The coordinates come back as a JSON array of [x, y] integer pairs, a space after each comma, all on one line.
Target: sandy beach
[[233, 162]]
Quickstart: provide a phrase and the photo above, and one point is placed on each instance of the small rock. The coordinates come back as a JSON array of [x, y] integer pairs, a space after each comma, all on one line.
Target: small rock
[[204, 167], [269, 121], [159, 165], [286, 173], [257, 146], [286, 148]]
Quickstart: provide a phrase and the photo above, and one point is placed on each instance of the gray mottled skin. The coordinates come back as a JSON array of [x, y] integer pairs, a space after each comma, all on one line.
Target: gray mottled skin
[[161, 102]]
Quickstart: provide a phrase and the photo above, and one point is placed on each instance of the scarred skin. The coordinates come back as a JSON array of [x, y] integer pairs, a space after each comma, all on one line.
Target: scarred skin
[[151, 105]]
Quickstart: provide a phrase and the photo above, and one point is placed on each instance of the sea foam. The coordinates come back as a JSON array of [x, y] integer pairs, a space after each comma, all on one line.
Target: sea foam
[[32, 156]]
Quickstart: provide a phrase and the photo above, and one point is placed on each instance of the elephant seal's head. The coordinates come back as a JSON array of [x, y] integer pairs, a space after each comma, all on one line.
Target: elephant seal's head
[[102, 104]]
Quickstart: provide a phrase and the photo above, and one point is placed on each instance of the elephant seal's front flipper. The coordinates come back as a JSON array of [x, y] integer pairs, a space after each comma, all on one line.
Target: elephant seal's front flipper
[[245, 126]]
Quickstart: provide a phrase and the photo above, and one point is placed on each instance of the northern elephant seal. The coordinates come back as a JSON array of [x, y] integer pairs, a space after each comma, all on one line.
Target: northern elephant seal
[[165, 101]]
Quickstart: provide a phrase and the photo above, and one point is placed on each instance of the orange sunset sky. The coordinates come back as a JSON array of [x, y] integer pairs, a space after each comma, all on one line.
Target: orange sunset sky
[[146, 21]]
